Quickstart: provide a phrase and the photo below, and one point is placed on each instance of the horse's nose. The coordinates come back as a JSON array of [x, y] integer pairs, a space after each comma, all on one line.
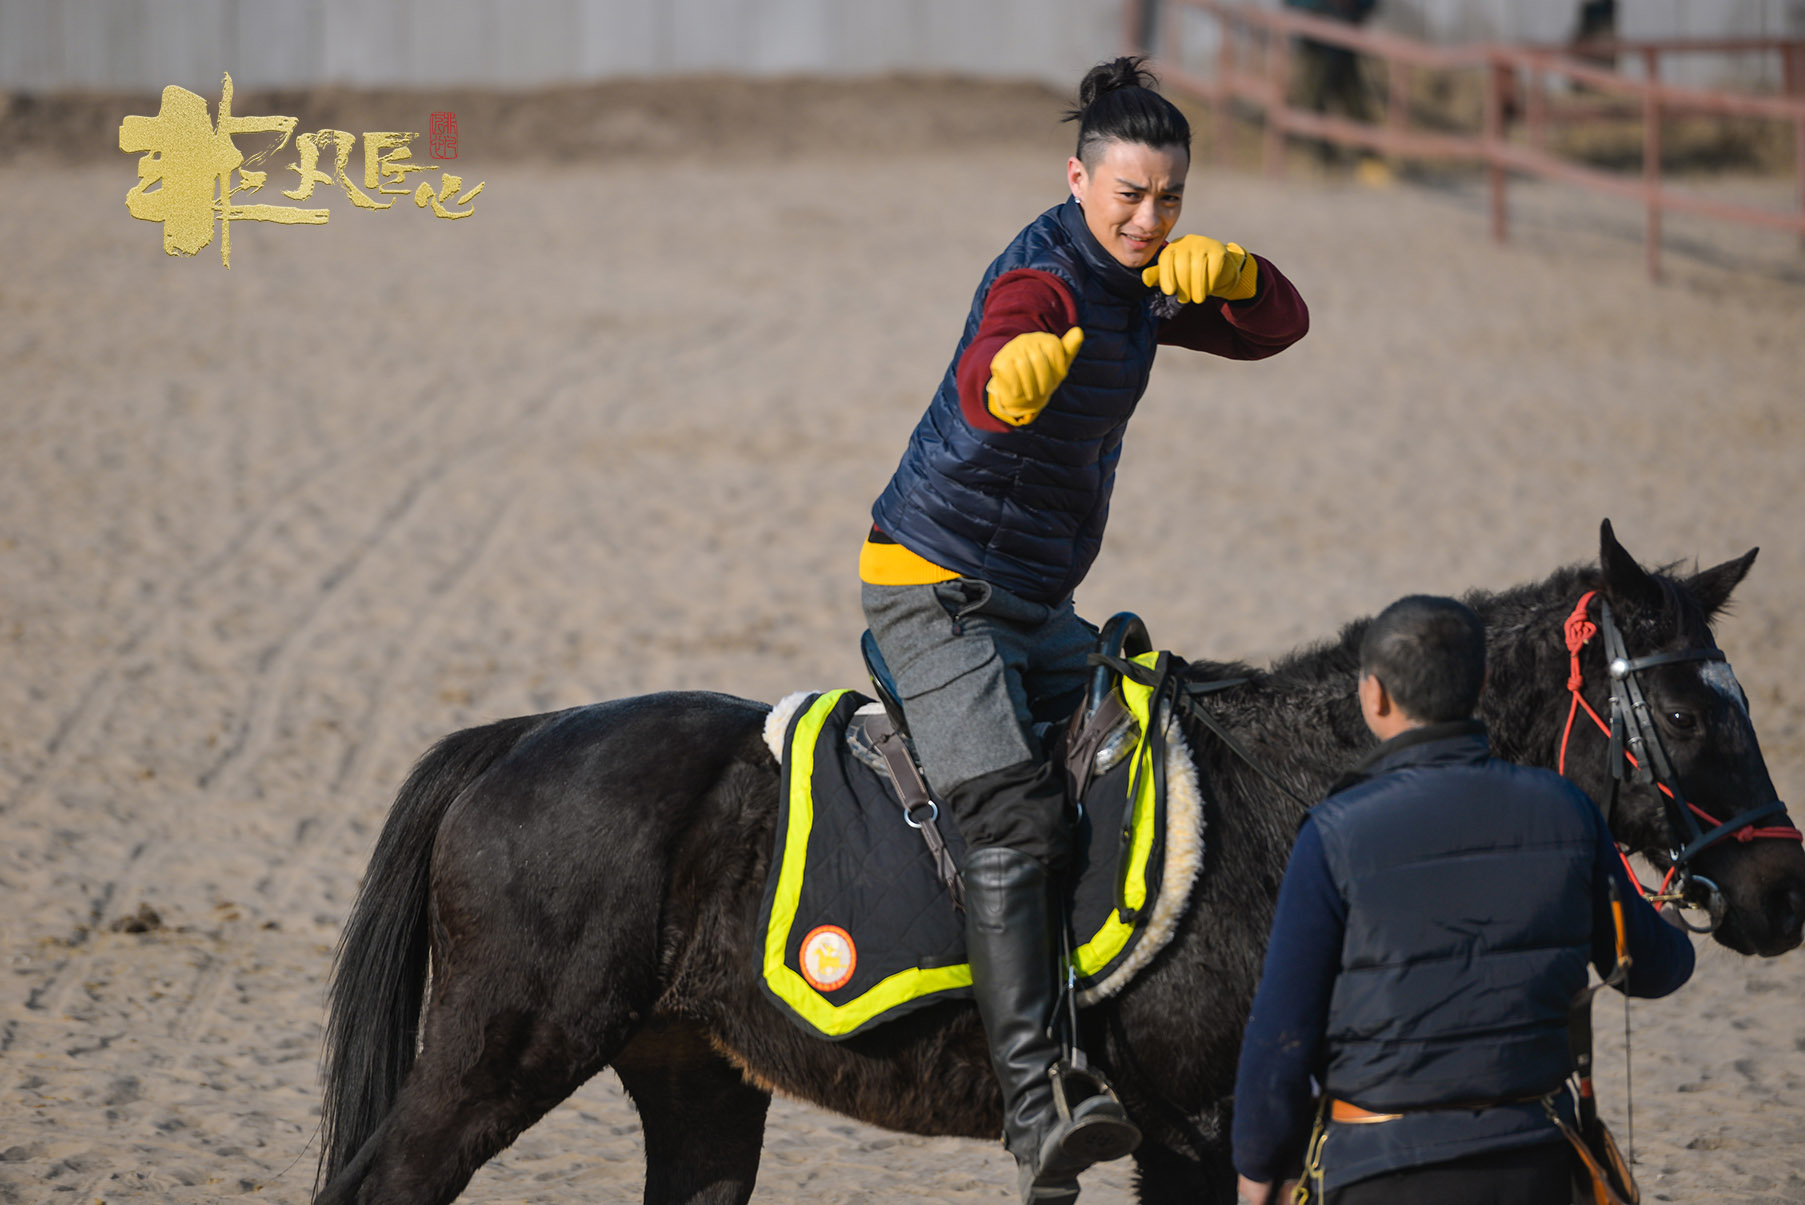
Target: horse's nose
[[1788, 912]]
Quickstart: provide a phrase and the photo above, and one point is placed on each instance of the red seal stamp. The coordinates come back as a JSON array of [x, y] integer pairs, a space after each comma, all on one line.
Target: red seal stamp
[[443, 136]]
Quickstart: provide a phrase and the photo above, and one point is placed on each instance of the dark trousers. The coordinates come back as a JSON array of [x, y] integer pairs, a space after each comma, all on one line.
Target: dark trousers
[[1530, 1175], [1330, 75], [978, 669]]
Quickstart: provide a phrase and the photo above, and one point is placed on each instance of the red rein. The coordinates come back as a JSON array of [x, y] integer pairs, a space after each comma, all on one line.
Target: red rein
[[1580, 629]]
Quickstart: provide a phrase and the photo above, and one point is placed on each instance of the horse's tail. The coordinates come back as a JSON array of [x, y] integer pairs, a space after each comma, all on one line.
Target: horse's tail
[[379, 974]]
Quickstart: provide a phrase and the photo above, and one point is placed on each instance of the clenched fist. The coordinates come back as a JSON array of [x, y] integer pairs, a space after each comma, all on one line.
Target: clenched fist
[[1196, 267]]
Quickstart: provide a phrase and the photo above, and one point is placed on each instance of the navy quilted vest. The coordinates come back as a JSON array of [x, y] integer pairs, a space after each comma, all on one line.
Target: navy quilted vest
[[1025, 508], [1468, 883]]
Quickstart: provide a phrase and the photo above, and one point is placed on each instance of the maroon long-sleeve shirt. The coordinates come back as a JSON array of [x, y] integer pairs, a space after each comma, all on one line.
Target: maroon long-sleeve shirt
[[1025, 300]]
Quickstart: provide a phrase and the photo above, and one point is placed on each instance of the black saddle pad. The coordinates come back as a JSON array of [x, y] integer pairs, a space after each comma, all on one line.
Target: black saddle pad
[[858, 928]]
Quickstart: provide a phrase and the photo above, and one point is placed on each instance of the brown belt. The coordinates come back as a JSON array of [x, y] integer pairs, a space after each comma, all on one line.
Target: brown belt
[[1349, 1113]]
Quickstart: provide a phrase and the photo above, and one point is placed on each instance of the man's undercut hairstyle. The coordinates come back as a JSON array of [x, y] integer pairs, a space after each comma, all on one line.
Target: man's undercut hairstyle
[[1429, 653], [1116, 101]]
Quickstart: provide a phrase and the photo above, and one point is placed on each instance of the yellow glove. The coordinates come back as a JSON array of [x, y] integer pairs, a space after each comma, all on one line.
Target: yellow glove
[[1196, 267], [1025, 372]]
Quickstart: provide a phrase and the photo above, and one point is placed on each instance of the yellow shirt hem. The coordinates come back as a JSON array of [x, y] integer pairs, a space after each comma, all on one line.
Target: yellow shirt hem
[[894, 565]]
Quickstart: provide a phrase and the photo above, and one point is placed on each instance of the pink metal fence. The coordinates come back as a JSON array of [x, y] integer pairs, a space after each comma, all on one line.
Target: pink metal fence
[[1511, 74]]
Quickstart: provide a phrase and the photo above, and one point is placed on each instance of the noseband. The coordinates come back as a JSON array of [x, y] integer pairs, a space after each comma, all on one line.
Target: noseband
[[1637, 754]]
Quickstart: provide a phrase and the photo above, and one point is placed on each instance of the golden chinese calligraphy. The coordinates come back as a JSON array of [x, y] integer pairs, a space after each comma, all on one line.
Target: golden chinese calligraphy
[[191, 160]]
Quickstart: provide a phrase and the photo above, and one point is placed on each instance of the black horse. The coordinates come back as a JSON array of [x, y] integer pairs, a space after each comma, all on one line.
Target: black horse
[[584, 888]]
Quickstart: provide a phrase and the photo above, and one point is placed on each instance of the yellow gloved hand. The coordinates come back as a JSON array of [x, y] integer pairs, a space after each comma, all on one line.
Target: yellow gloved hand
[[1196, 267], [1025, 372]]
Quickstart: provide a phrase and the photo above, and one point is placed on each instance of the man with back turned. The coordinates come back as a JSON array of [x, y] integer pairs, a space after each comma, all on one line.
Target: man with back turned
[[1434, 925]]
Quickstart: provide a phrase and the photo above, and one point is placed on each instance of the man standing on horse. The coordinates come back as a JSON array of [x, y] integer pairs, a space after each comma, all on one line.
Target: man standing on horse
[[993, 518], [1432, 932]]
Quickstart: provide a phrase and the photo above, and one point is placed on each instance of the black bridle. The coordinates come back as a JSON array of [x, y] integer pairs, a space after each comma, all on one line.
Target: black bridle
[[1638, 755]]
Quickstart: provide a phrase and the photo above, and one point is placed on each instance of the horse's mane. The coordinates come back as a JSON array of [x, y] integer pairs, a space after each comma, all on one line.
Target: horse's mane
[[1513, 616], [1301, 709]]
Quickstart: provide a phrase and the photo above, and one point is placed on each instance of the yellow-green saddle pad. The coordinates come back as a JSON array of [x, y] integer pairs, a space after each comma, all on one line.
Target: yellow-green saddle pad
[[857, 927]]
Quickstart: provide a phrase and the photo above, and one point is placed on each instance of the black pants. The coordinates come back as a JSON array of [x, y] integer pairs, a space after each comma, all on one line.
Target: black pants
[[1020, 807], [1530, 1175]]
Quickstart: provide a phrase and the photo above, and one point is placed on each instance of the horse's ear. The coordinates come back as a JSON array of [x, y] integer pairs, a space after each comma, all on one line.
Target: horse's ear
[[1711, 587], [1625, 581]]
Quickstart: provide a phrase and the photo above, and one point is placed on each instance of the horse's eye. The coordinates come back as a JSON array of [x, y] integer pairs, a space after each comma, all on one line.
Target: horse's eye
[[1684, 721]]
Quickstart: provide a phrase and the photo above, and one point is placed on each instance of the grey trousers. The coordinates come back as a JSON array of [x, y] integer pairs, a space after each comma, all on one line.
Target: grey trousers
[[977, 668]]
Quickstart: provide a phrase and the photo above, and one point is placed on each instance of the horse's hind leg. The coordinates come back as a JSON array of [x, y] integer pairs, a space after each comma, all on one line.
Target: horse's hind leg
[[704, 1124], [497, 1056]]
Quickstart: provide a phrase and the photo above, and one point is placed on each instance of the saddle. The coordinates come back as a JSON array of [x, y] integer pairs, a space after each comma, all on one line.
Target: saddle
[[860, 921], [1094, 740]]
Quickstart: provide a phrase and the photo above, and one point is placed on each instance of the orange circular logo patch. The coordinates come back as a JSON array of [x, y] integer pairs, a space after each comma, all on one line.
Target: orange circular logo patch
[[828, 957]]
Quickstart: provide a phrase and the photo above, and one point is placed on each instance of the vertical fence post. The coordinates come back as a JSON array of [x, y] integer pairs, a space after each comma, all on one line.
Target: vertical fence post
[[1278, 99], [1493, 144], [1651, 159]]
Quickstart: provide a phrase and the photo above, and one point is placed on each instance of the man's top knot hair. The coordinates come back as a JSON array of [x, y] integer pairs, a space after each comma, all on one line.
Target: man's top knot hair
[[1116, 102], [1104, 78]]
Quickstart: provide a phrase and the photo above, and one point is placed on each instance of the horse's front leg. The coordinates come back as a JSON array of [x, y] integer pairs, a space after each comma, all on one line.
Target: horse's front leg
[[1165, 1176], [1187, 1162]]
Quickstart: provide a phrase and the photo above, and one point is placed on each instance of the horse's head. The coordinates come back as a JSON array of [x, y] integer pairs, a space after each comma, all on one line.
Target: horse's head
[[1700, 716]]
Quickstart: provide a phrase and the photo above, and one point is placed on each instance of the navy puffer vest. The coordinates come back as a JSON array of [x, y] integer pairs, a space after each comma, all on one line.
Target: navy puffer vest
[[1025, 508], [1468, 883]]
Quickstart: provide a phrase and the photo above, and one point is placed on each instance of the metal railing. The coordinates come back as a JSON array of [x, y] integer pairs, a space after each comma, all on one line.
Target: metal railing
[[1511, 74]]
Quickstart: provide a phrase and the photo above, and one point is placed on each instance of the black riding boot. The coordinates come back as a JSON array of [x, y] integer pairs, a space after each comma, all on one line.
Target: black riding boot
[[1010, 935]]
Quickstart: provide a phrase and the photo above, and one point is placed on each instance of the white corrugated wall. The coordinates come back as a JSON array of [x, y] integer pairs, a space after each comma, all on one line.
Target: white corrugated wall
[[144, 44], [48, 45]]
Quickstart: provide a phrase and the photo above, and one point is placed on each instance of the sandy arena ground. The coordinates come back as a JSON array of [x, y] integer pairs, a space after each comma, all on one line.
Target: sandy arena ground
[[267, 533]]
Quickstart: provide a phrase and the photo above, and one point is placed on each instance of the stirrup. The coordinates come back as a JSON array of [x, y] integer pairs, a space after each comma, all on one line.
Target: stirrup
[[1095, 1129], [1076, 1070], [1093, 1126]]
